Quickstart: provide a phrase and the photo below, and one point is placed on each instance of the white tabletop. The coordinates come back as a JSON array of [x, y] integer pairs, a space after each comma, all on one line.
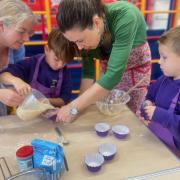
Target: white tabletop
[[140, 153]]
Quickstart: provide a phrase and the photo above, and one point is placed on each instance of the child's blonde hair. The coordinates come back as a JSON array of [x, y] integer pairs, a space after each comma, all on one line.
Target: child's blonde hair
[[14, 12], [63, 49], [172, 39]]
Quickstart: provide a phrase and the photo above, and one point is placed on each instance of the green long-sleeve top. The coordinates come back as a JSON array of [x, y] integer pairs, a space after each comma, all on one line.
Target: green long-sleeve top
[[128, 30]]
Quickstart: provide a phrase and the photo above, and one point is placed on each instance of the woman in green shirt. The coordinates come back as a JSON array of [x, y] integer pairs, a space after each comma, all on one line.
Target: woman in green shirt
[[114, 33]]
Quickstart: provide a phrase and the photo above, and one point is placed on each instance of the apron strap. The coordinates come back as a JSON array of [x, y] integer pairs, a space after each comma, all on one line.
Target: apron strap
[[59, 83], [37, 67], [174, 101]]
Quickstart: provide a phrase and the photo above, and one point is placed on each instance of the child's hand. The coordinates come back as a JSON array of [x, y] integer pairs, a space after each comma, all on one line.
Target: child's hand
[[145, 121], [147, 103], [21, 87], [149, 110]]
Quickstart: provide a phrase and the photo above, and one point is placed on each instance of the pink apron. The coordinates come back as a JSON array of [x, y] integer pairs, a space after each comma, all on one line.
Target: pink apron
[[139, 66]]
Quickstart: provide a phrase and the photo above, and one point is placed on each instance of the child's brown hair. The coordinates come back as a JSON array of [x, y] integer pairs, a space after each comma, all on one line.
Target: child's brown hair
[[63, 49], [172, 39]]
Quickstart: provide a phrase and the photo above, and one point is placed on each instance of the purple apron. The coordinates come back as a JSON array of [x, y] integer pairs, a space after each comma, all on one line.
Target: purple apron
[[54, 90], [163, 133]]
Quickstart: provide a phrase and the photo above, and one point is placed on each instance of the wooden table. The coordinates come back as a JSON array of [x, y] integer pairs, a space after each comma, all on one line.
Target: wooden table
[[140, 153]]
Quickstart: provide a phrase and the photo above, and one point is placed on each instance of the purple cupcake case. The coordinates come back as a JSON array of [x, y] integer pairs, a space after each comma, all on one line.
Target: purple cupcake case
[[108, 150], [102, 129], [94, 162], [120, 131]]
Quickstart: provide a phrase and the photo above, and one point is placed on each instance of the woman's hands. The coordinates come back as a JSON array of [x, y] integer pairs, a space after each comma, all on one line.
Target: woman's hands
[[64, 114], [69, 112], [10, 97], [21, 87]]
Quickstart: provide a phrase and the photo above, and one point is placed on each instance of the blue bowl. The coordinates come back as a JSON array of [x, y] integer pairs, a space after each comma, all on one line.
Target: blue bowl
[[120, 131], [102, 129], [108, 151], [94, 162]]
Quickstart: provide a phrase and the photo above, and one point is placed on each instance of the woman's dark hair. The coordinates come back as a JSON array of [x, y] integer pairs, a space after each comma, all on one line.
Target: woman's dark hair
[[78, 13]]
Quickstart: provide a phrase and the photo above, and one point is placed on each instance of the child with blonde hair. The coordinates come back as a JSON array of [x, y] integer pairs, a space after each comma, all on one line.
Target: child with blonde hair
[[162, 105]]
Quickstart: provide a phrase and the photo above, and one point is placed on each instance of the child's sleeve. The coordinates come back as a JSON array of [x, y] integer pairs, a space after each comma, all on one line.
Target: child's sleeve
[[151, 95], [66, 88], [153, 89], [21, 70]]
